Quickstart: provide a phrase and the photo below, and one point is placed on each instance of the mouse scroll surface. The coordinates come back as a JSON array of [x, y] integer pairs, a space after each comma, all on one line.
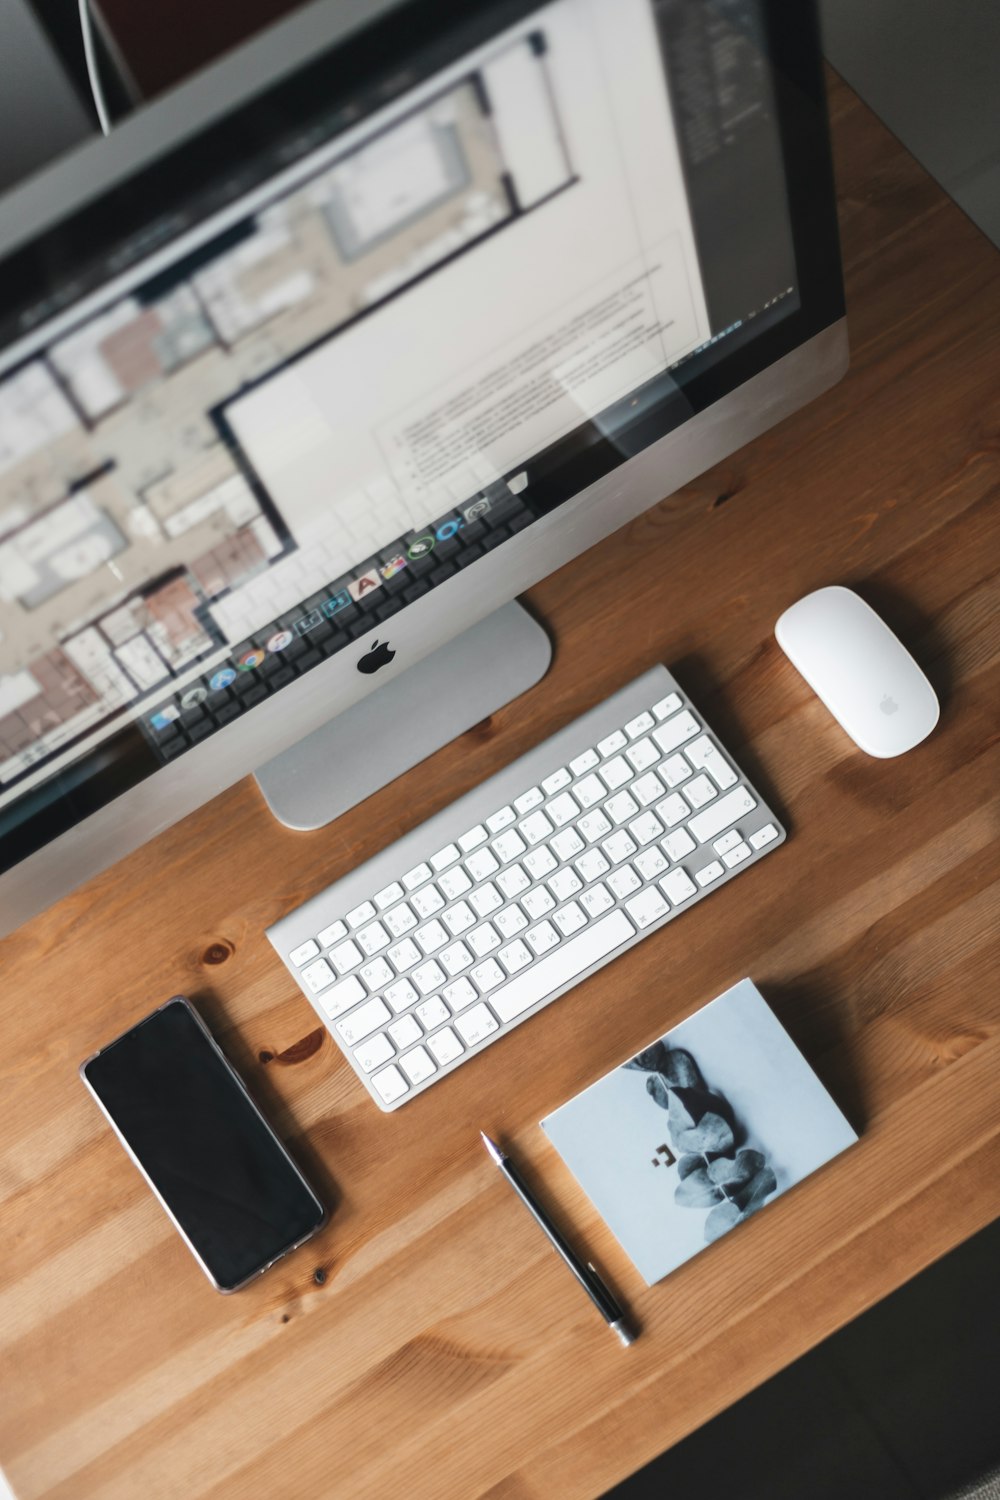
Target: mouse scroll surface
[[860, 670]]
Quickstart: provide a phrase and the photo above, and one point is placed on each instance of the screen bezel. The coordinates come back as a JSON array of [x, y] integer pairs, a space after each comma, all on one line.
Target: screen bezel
[[125, 761], [242, 1094]]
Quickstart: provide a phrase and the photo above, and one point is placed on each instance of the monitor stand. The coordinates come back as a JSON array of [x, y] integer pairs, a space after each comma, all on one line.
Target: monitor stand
[[400, 724]]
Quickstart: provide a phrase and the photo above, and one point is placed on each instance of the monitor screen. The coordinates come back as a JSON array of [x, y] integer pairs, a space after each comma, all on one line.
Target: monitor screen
[[307, 367]]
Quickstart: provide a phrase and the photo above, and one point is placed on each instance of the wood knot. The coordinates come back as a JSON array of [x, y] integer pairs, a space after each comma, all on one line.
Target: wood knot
[[307, 1046], [217, 953], [319, 1276]]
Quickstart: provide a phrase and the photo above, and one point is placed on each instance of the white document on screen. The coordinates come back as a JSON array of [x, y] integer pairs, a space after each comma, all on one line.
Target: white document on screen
[[588, 287]]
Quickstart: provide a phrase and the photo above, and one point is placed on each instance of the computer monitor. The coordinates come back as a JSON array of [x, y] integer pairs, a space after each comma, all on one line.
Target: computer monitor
[[322, 359]]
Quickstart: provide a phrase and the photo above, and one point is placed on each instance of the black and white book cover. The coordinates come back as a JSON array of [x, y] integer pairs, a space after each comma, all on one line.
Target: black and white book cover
[[698, 1131]]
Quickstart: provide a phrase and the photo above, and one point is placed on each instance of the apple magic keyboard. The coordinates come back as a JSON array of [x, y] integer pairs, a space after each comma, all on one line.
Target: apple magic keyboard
[[435, 948]]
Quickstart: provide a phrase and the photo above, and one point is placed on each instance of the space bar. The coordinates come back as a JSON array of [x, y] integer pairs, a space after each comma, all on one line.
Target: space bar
[[563, 965]]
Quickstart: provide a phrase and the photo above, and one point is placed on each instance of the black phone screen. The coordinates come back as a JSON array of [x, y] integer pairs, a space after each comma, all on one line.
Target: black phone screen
[[214, 1160]]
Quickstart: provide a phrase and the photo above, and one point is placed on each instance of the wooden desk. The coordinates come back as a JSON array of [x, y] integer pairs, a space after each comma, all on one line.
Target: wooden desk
[[446, 1353]]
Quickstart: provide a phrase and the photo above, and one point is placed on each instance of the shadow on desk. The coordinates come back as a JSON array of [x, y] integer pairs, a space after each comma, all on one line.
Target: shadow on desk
[[899, 1405]]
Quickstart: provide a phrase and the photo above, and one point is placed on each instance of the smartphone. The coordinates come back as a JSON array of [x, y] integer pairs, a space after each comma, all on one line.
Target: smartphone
[[183, 1114]]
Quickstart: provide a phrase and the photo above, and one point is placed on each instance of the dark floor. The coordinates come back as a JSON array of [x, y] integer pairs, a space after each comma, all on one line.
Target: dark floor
[[902, 1404]]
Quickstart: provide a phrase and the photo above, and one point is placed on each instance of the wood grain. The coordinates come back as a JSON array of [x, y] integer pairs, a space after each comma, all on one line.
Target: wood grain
[[446, 1352]]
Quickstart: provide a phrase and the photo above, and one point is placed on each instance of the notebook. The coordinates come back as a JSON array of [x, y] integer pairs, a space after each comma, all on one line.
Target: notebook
[[687, 1139]]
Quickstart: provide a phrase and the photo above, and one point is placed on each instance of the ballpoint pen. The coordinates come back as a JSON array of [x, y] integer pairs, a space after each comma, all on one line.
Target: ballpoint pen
[[586, 1275]]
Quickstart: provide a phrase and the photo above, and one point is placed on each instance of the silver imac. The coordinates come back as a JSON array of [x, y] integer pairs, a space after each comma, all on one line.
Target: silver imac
[[316, 363]]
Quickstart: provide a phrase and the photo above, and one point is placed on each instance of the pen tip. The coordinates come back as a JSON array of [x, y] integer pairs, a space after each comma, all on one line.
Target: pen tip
[[491, 1147]]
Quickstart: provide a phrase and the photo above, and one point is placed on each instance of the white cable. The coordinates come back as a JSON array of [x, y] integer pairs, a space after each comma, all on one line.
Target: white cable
[[100, 103]]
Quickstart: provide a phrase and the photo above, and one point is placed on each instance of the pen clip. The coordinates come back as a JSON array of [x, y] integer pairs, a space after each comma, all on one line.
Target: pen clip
[[600, 1280]]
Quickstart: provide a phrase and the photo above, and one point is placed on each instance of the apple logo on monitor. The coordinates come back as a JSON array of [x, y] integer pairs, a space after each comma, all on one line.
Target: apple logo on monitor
[[379, 655]]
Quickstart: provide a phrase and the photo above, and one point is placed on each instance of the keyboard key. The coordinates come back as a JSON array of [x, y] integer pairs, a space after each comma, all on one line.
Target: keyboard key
[[645, 828], [543, 937], [624, 881], [510, 921], [647, 907], [404, 955], [363, 1021], [430, 976], [377, 974], [585, 762], [400, 920], [400, 995], [569, 919], [668, 705], [318, 975], [565, 883], [513, 881], [454, 883], [432, 1012], [736, 856], [459, 918], [709, 873], [390, 1084], [418, 1065], [643, 754], [432, 936], [679, 844], [566, 844], [374, 1052], [473, 839], [303, 953], [764, 836], [704, 756], [594, 825], [639, 725], [650, 863], [539, 862], [445, 857], [417, 876], [590, 791], [445, 1046], [619, 846], [360, 914], [532, 798], [612, 743], [721, 813], [597, 900], [455, 958], [488, 975], [389, 895], [614, 773], [405, 1032], [537, 902], [460, 994], [372, 938], [427, 901], [699, 791], [621, 807], [332, 934], [647, 789], [486, 899], [476, 1025], [678, 885], [728, 841], [562, 809], [675, 770], [346, 956], [501, 819], [673, 732], [342, 996], [562, 965], [517, 955], [508, 846], [484, 939], [592, 865], [556, 781], [481, 865], [536, 828], [673, 810]]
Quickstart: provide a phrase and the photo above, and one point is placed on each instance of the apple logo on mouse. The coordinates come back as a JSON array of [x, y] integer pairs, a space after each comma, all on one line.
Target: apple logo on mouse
[[380, 654], [888, 705]]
